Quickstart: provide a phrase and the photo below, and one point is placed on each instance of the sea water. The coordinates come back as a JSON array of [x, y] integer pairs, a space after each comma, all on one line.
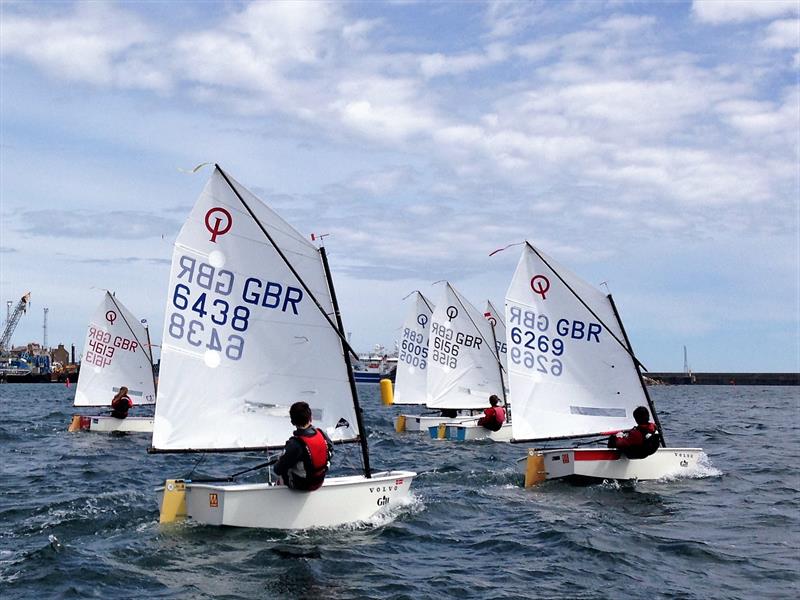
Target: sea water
[[78, 516]]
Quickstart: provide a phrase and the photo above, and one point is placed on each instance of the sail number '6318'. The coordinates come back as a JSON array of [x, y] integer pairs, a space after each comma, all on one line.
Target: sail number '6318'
[[206, 305]]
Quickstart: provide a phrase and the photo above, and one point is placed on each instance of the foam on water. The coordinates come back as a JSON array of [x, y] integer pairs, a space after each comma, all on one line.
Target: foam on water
[[700, 470]]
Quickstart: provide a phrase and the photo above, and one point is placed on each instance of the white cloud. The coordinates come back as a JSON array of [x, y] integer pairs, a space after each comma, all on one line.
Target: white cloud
[[383, 181], [355, 33], [434, 65], [589, 135], [625, 24], [760, 118], [387, 108], [88, 45], [505, 18], [784, 33], [737, 11]]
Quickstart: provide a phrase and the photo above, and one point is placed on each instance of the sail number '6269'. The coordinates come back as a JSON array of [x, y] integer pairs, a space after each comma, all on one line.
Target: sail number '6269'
[[535, 347]]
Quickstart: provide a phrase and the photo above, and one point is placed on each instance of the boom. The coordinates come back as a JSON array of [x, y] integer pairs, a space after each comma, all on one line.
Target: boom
[[11, 325]]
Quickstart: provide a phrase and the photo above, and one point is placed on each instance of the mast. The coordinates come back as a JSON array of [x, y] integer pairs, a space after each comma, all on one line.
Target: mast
[[499, 362], [152, 365], [636, 364], [362, 437], [500, 368]]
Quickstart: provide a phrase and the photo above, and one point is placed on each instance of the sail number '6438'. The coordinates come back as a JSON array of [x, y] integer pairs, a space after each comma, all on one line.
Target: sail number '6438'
[[211, 301], [200, 334]]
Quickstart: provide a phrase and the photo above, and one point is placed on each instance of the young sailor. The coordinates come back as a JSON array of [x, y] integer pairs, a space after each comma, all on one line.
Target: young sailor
[[121, 403], [641, 441], [495, 416], [307, 454]]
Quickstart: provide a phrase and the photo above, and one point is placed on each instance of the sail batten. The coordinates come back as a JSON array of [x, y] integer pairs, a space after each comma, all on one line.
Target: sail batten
[[116, 354], [569, 373], [247, 331]]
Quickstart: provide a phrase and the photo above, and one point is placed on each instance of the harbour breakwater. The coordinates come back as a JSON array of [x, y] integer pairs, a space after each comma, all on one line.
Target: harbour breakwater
[[725, 378]]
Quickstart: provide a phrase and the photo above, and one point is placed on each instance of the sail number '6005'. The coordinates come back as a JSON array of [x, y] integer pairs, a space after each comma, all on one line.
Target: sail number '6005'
[[206, 305], [413, 352], [534, 347]]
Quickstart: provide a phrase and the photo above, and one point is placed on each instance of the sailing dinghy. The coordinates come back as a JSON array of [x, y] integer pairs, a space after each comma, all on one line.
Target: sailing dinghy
[[412, 367], [573, 374], [117, 353], [248, 331], [464, 368]]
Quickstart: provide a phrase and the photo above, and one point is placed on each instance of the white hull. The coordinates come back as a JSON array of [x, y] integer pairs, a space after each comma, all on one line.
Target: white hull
[[421, 423], [470, 432], [340, 501], [601, 463], [106, 424]]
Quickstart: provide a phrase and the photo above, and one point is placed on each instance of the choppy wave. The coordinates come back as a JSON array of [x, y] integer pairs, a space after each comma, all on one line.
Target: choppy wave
[[78, 516]]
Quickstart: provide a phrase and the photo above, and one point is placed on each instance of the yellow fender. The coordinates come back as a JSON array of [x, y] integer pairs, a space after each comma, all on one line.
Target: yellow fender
[[400, 424], [441, 432], [173, 505], [535, 471], [387, 395]]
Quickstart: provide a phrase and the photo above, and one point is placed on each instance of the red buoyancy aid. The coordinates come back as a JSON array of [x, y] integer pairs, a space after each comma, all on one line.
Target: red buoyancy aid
[[499, 414], [121, 406], [640, 442], [493, 418], [316, 458]]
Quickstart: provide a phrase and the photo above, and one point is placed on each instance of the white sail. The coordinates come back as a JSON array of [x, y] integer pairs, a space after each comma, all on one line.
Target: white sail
[[116, 353], [412, 362], [462, 368], [568, 375], [496, 319], [243, 338]]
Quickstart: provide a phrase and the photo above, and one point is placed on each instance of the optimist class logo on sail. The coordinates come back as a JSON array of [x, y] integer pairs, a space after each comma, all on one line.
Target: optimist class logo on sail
[[214, 307]]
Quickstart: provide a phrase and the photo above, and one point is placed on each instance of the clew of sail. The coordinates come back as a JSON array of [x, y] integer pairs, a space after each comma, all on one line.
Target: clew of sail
[[116, 353], [243, 336], [462, 361], [412, 362], [569, 372]]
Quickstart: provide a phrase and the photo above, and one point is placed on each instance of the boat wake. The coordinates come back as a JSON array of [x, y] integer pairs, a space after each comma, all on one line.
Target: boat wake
[[701, 470]]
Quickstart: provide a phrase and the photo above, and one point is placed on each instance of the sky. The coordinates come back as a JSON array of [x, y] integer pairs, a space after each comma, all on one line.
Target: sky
[[649, 146]]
